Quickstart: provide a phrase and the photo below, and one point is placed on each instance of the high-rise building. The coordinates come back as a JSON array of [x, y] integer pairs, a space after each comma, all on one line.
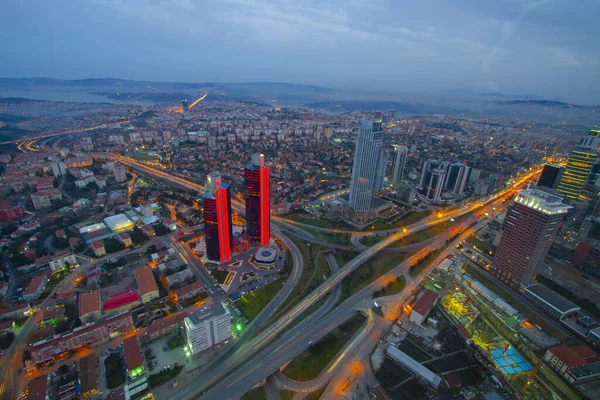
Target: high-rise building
[[217, 219], [457, 177], [185, 105], [550, 176], [258, 207], [577, 172], [426, 169], [207, 328], [529, 229], [582, 159], [399, 164], [391, 114], [433, 187], [551, 150], [119, 172], [367, 165]]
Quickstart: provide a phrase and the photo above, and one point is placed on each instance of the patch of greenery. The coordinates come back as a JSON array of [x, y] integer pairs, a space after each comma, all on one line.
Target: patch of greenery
[[164, 376], [115, 371], [253, 303], [308, 365]]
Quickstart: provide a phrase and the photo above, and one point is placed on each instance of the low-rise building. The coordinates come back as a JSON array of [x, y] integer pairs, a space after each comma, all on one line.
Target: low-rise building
[[564, 358], [8, 211], [62, 260], [93, 334], [146, 283], [124, 238], [423, 307], [189, 291], [98, 248], [207, 328], [19, 310], [179, 277], [148, 230], [133, 357], [170, 224], [165, 326], [88, 377], [37, 389], [122, 301], [35, 287], [89, 306]]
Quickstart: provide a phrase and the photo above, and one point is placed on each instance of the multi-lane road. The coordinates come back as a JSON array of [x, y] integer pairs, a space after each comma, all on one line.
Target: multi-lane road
[[205, 384]]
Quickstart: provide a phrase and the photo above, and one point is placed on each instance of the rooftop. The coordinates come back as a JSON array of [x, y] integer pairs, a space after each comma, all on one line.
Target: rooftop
[[574, 356], [88, 373], [199, 316], [585, 371], [145, 280], [541, 201], [89, 302], [133, 356], [120, 299], [552, 298], [37, 388], [425, 302], [34, 284]]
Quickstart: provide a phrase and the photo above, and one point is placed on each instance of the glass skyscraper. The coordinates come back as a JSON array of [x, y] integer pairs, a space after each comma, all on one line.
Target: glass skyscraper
[[258, 207], [369, 165]]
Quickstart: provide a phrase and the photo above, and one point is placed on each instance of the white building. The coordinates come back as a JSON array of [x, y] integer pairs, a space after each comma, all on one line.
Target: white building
[[62, 260], [207, 328], [119, 171]]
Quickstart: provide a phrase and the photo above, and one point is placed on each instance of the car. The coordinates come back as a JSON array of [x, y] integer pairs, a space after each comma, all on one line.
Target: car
[[165, 349], [155, 363], [311, 342]]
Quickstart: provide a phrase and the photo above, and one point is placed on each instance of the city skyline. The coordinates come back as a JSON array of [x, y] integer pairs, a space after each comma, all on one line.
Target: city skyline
[[514, 47]]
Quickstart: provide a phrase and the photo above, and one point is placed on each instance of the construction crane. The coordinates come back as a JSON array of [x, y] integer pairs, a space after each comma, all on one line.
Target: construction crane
[[531, 377]]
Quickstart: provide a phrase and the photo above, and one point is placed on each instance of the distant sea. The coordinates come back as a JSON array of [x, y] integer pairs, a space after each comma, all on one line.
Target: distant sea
[[70, 97]]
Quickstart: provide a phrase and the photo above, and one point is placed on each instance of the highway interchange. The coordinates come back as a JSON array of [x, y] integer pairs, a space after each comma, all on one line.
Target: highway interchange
[[274, 346], [252, 359]]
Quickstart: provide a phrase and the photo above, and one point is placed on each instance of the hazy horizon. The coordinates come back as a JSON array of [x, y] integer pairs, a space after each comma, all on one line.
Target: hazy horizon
[[544, 48]]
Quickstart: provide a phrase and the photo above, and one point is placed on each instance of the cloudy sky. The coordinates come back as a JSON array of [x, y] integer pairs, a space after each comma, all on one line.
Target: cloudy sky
[[548, 48]]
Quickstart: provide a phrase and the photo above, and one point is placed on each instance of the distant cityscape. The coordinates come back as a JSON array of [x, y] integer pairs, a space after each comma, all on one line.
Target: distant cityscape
[[239, 250]]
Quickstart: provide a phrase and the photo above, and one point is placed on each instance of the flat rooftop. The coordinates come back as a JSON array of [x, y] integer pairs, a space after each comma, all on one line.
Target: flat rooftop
[[541, 201], [199, 316]]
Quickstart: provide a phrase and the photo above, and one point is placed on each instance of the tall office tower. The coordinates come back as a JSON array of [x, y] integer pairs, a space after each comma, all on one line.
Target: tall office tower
[[258, 207], [391, 114], [551, 150], [399, 164], [207, 328], [185, 105], [593, 207], [433, 187], [582, 159], [550, 176], [457, 177], [367, 166], [529, 229], [383, 162], [426, 169], [217, 219], [577, 172]]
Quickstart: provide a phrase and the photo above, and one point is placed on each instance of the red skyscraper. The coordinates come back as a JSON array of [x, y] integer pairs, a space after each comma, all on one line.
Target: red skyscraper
[[529, 229], [258, 207], [217, 219]]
